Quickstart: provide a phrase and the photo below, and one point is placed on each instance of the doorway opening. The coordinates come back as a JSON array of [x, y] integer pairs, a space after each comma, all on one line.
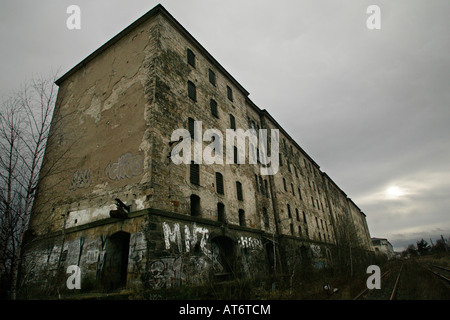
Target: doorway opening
[[115, 268], [223, 249]]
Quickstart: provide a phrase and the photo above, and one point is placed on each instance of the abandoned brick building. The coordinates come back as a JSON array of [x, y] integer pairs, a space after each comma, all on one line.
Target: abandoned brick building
[[115, 204]]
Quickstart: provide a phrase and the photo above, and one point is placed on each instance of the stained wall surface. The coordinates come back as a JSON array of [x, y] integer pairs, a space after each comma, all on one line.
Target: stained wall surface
[[113, 121]]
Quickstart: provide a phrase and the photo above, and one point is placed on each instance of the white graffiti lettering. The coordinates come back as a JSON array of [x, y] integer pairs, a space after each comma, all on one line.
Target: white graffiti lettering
[[197, 235], [126, 167], [250, 243]]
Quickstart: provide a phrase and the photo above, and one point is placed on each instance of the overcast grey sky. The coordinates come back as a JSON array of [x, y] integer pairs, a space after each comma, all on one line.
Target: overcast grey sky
[[371, 107]]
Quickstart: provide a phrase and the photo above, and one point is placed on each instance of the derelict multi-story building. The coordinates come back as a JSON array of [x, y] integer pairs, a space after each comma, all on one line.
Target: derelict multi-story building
[[115, 204]]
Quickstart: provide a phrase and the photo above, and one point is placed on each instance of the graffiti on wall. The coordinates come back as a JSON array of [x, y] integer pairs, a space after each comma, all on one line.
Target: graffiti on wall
[[166, 272], [315, 249], [92, 256], [318, 260], [192, 237], [127, 166], [250, 243], [81, 179]]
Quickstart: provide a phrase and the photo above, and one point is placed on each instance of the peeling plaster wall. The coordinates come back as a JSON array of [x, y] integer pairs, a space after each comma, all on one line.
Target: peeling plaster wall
[[102, 116]]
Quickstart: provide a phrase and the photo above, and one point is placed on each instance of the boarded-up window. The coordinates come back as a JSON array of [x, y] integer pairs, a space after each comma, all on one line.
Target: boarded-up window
[[239, 191], [192, 91], [191, 57], [213, 105], [195, 173], [219, 183]]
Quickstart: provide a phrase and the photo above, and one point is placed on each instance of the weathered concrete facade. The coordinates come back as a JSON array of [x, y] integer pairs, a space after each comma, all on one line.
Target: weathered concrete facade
[[116, 111]]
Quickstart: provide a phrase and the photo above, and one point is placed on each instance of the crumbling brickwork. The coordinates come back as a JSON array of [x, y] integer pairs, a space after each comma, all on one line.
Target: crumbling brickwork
[[118, 109]]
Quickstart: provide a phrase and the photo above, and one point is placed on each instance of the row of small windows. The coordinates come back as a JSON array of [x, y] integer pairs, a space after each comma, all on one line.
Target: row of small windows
[[319, 204], [307, 166], [262, 186], [211, 77], [194, 177], [196, 210], [214, 111], [306, 223]]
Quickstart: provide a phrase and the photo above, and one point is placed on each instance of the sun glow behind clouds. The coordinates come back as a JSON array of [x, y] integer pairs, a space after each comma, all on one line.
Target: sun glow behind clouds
[[394, 192]]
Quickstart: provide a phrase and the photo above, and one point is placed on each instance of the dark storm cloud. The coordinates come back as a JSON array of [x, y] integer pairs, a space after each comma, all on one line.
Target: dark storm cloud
[[370, 106]]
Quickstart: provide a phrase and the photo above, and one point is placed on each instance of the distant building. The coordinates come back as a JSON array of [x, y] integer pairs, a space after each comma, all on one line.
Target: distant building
[[383, 246]]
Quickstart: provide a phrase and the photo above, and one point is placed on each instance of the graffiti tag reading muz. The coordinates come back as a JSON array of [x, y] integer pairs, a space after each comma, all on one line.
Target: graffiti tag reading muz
[[126, 167]]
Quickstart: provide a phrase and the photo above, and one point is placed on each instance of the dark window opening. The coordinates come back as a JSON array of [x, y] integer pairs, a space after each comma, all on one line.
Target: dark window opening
[[195, 173], [239, 191], [213, 106], [219, 183], [212, 77], [195, 205], [191, 127], [266, 218], [229, 93], [191, 57], [242, 222], [220, 212], [192, 91], [266, 188], [232, 122], [261, 185]]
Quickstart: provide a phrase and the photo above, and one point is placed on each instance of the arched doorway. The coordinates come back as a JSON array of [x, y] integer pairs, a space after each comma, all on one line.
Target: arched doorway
[[223, 248], [115, 267]]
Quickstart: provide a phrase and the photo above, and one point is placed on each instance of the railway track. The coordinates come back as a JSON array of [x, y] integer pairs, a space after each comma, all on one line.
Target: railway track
[[411, 280], [389, 286], [443, 273]]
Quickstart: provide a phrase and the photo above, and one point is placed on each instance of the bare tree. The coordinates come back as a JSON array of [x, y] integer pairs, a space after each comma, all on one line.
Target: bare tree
[[25, 120]]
